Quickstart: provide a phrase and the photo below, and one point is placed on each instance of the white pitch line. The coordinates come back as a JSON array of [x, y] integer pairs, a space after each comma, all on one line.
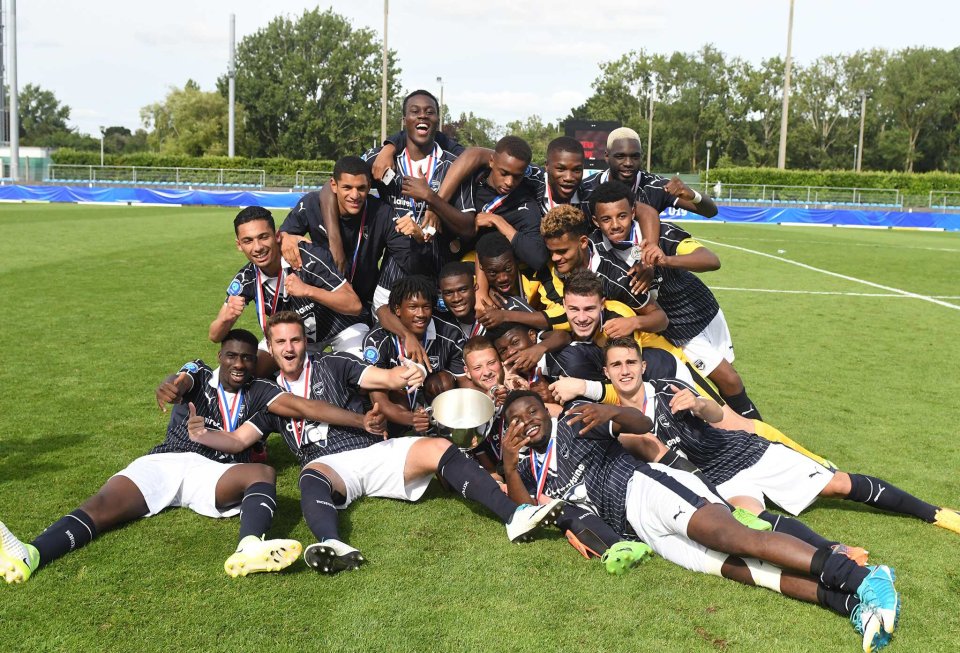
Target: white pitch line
[[905, 293], [828, 292]]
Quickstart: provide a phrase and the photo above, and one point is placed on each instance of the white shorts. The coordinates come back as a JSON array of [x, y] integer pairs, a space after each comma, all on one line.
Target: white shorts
[[660, 517], [179, 480], [789, 479], [377, 471], [712, 345]]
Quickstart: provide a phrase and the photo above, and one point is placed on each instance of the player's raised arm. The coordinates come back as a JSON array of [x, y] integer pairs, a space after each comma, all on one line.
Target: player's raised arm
[[228, 442], [593, 418], [172, 389], [689, 199], [229, 314], [315, 410]]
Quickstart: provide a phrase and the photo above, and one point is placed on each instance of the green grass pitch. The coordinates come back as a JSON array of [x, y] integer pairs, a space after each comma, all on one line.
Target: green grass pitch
[[99, 303]]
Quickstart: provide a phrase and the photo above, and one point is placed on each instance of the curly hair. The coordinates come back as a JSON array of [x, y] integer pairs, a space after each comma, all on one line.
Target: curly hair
[[564, 219]]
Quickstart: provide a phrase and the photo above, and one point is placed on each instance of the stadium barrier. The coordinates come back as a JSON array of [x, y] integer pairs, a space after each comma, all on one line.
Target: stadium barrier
[[156, 176], [808, 196], [754, 214]]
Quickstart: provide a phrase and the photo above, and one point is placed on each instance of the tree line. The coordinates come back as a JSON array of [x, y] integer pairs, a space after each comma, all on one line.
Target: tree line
[[308, 87]]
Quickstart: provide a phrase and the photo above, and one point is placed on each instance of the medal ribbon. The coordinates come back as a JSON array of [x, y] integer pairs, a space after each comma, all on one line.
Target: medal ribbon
[[411, 394], [299, 425], [261, 297], [231, 413], [494, 204], [406, 165], [540, 472], [356, 250]]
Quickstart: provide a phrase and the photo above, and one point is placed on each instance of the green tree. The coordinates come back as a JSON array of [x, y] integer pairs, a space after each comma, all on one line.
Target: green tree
[[469, 130], [537, 133], [310, 86], [43, 121], [190, 121]]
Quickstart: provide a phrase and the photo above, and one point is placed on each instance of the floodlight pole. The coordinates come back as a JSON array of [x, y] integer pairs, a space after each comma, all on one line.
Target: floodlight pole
[[3, 122], [383, 88], [706, 178], [14, 96], [653, 92], [231, 86], [863, 112], [782, 156], [440, 82], [103, 133]]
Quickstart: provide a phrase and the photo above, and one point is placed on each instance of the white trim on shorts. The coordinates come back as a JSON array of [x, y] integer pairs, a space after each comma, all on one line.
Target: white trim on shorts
[[788, 478], [179, 480], [377, 471], [712, 345]]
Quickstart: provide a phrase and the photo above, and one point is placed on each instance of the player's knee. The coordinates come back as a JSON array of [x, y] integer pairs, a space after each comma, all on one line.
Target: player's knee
[[727, 379], [260, 473], [839, 486]]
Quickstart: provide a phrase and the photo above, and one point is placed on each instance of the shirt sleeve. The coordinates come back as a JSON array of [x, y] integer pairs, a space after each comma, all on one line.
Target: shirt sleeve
[[242, 285], [654, 195], [600, 432], [318, 268], [347, 367], [297, 221]]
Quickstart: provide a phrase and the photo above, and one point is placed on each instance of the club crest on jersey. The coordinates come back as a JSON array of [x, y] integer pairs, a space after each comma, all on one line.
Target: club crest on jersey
[[234, 288], [371, 355], [664, 422], [435, 184], [317, 387], [190, 367], [699, 364], [434, 362]]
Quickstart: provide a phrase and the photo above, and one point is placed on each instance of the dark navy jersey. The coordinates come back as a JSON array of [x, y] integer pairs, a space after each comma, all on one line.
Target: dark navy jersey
[[334, 378], [321, 323], [220, 410], [686, 300], [492, 433], [592, 471], [520, 208], [719, 453], [579, 360], [647, 188], [443, 343], [475, 328], [365, 248], [545, 196], [613, 273]]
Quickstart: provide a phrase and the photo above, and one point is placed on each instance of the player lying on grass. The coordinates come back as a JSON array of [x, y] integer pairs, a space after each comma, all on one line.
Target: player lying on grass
[[183, 473], [676, 514], [697, 324], [316, 291], [343, 462], [586, 532], [746, 468]]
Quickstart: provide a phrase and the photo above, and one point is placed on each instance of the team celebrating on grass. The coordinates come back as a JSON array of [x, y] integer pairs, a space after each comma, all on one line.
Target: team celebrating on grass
[[619, 416]]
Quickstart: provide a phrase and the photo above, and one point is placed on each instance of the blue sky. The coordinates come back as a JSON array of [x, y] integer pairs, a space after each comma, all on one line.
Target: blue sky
[[504, 59]]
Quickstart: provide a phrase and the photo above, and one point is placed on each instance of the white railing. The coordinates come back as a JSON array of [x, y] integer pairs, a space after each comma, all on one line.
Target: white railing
[[818, 196], [945, 200], [157, 176], [312, 179]]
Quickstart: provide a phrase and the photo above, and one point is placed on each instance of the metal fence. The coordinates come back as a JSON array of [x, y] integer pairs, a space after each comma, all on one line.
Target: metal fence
[[312, 179], [158, 176], [813, 196], [944, 200]]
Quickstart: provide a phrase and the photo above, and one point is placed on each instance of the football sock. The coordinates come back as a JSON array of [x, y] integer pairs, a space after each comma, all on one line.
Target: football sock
[[840, 602], [797, 528], [470, 480], [741, 404], [880, 494], [70, 532], [316, 502], [257, 508], [582, 522], [836, 571]]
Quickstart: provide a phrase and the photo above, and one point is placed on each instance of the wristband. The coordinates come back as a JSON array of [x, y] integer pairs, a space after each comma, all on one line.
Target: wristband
[[429, 230], [697, 197]]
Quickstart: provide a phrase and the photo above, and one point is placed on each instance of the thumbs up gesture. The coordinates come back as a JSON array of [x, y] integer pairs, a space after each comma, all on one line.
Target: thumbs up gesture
[[375, 421], [196, 426]]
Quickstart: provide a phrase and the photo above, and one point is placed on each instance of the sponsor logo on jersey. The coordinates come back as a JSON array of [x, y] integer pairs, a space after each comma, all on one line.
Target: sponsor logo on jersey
[[190, 367], [234, 288], [371, 355]]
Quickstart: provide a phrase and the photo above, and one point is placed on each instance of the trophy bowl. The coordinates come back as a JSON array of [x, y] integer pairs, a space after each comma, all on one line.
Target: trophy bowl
[[460, 413]]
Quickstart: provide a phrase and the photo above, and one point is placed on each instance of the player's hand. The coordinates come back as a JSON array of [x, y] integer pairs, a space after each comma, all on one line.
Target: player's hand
[[383, 161], [410, 374], [416, 352], [483, 301], [499, 394], [430, 225], [196, 426], [408, 227], [542, 387], [233, 307], [294, 286], [676, 187], [421, 420], [682, 400], [487, 220], [619, 327], [591, 416], [640, 277], [491, 317], [566, 388], [169, 392], [417, 188], [374, 421], [290, 248], [651, 254], [523, 360], [512, 442]]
